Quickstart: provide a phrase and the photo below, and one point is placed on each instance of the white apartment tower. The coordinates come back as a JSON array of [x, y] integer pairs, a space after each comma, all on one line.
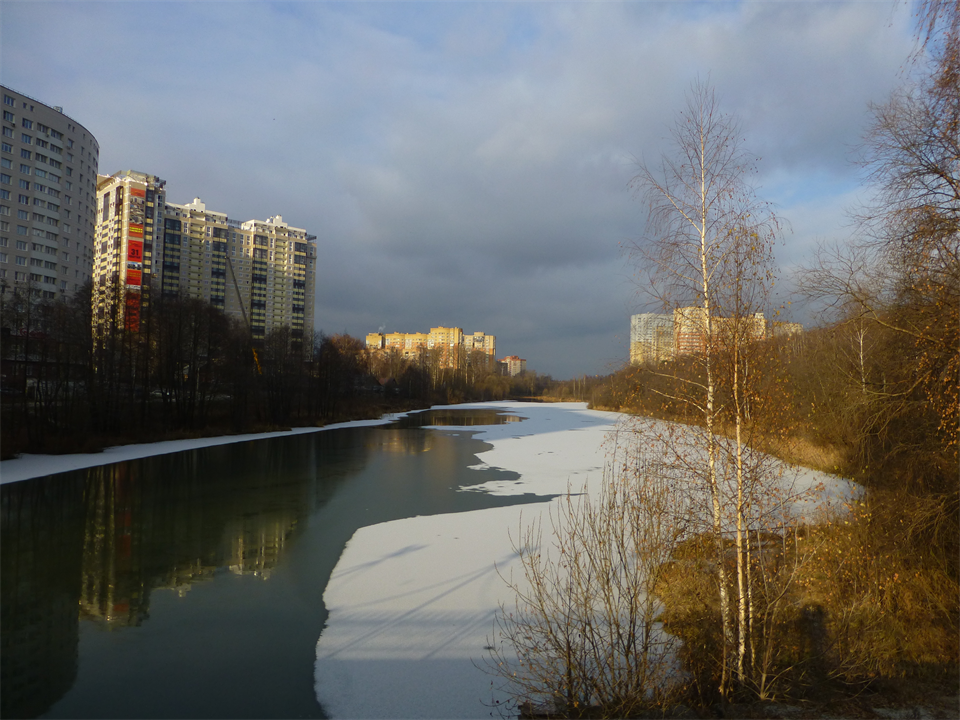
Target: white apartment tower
[[262, 272], [48, 176]]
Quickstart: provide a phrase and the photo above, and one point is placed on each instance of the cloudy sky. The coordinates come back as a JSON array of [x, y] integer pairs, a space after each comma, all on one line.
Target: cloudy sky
[[464, 163]]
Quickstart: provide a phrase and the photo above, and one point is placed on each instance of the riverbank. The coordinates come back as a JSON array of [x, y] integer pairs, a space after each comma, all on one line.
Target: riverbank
[[29, 466]]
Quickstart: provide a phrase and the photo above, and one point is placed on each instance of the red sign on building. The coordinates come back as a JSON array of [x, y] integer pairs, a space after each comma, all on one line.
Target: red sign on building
[[132, 314], [135, 251]]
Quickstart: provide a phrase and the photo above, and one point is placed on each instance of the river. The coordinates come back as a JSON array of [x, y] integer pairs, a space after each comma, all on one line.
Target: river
[[191, 584]]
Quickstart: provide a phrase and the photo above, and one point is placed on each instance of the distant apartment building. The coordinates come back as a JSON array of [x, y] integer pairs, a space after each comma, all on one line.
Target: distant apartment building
[[513, 365], [260, 271], [48, 175], [655, 338], [652, 338], [449, 344]]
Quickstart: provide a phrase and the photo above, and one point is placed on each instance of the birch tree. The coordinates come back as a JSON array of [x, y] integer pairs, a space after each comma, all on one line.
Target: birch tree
[[708, 247]]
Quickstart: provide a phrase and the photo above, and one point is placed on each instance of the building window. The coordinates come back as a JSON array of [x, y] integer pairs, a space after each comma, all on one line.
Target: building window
[[25, 139], [28, 124], [4, 178], [21, 260], [7, 100], [7, 147], [8, 116], [21, 229]]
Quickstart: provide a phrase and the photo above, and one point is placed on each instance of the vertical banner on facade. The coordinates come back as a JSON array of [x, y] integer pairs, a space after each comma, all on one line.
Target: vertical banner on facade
[[134, 277], [132, 314], [135, 230], [138, 192], [135, 251]]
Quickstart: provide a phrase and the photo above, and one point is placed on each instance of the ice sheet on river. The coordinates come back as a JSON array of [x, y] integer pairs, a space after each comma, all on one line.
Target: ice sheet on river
[[412, 602]]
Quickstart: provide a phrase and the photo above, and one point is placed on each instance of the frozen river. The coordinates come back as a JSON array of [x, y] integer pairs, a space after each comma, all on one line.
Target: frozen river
[[345, 573]]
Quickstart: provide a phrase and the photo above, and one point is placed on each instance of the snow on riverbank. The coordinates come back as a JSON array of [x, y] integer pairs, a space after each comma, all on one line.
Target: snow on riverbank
[[29, 466], [412, 602]]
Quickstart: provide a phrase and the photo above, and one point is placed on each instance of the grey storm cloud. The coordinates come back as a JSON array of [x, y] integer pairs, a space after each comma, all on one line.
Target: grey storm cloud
[[464, 163]]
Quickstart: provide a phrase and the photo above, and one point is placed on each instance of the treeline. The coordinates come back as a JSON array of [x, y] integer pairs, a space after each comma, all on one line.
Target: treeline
[[190, 370], [876, 604]]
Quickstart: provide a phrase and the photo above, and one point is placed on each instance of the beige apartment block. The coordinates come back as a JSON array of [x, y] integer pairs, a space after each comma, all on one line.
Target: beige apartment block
[[449, 344], [482, 342], [262, 272], [48, 175]]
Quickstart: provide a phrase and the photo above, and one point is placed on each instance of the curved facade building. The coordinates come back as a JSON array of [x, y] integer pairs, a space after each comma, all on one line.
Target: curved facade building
[[48, 190]]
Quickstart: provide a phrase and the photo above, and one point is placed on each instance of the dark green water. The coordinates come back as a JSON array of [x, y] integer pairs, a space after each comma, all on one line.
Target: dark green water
[[191, 584]]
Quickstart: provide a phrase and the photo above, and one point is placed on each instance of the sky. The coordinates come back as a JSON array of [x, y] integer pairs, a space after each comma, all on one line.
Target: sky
[[467, 164]]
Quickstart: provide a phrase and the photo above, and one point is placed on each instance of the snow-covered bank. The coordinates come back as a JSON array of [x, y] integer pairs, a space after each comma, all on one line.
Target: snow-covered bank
[[29, 466], [408, 594]]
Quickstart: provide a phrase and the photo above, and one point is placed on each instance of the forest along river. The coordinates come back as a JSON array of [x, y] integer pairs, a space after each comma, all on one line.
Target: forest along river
[[191, 584]]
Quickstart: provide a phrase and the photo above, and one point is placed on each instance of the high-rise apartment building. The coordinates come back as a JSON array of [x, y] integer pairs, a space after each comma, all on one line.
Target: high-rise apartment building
[[652, 338], [655, 338], [147, 247], [48, 176]]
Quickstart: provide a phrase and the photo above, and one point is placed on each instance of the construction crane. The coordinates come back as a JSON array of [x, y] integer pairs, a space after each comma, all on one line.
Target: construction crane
[[236, 286]]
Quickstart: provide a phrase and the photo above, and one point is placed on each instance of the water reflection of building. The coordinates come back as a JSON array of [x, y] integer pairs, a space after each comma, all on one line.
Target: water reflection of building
[[95, 543], [113, 587], [39, 579], [255, 548], [401, 441], [144, 532]]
